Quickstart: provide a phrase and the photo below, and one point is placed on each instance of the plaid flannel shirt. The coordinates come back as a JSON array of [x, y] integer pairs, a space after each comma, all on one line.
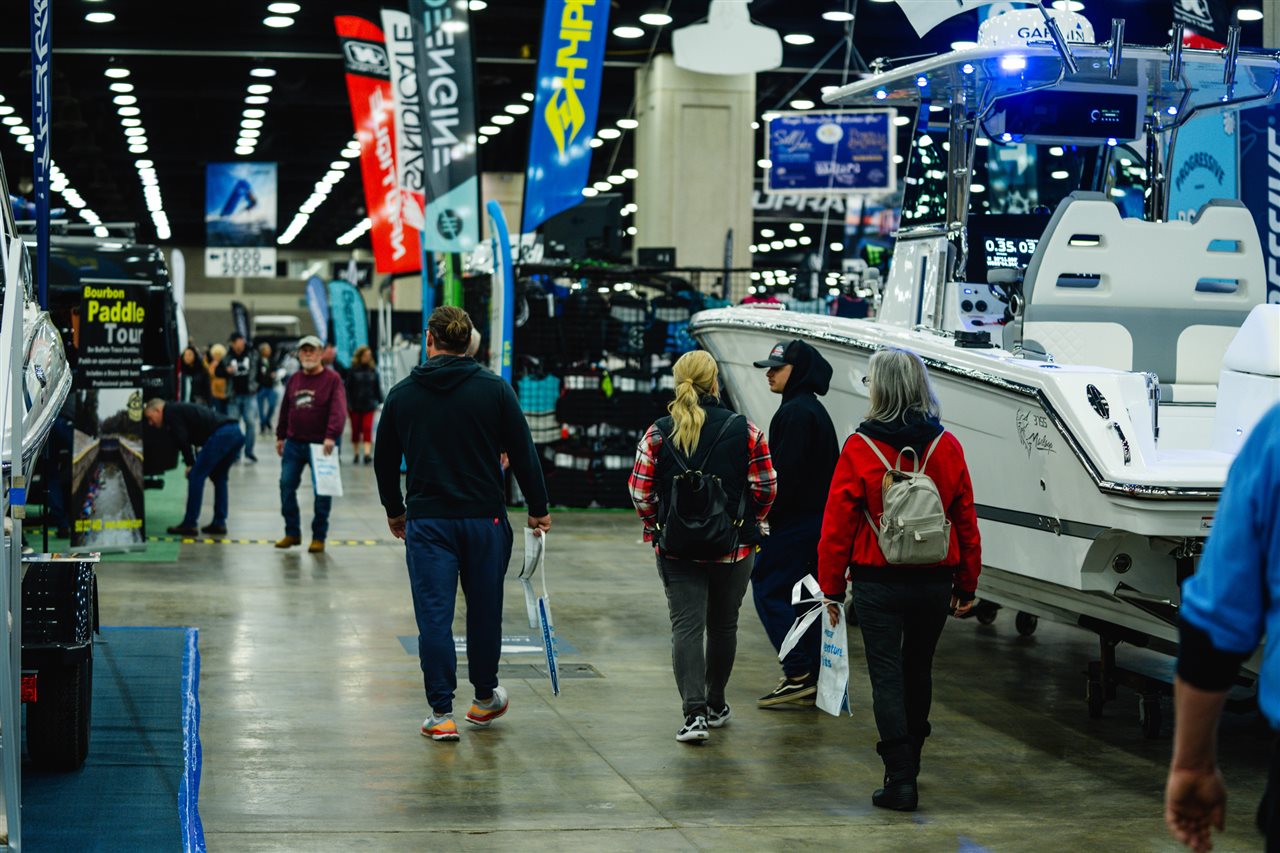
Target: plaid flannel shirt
[[762, 484]]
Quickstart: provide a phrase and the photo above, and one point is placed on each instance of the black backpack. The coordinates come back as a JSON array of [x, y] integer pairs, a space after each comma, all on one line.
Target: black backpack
[[697, 523]]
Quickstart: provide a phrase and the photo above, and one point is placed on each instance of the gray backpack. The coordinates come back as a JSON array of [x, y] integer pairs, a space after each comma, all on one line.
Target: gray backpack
[[913, 529]]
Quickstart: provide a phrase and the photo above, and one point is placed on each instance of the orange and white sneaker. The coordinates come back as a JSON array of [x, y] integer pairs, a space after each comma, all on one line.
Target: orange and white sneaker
[[440, 727], [483, 713]]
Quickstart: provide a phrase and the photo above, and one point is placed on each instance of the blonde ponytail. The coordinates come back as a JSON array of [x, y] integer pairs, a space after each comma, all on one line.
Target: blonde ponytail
[[696, 373]]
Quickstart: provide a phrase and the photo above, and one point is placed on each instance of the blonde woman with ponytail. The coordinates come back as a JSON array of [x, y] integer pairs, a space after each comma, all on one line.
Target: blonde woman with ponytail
[[703, 483]]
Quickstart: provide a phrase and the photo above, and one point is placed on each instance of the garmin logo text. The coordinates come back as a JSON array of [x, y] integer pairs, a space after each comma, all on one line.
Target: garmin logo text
[[1036, 35], [366, 57], [443, 115], [564, 114], [385, 150]]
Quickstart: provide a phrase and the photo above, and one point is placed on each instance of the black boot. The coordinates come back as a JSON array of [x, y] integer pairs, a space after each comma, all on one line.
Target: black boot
[[917, 743], [899, 792]]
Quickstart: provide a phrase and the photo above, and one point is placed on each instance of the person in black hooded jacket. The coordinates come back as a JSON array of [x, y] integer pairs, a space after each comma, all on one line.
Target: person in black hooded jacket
[[803, 442], [451, 420]]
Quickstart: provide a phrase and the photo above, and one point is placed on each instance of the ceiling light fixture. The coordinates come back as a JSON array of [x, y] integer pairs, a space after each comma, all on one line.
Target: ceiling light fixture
[[125, 100], [630, 174], [838, 17], [596, 142], [801, 104], [490, 130], [260, 89], [628, 32], [609, 133], [517, 109], [130, 122], [284, 8], [100, 17], [254, 113], [257, 99], [798, 39], [262, 72], [251, 122], [655, 19], [628, 123], [117, 73], [502, 120], [278, 21], [1249, 14], [526, 96], [477, 5], [122, 88], [128, 111]]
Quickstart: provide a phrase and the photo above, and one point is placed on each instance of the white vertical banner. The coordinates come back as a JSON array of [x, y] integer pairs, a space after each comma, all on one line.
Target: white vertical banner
[[397, 28]]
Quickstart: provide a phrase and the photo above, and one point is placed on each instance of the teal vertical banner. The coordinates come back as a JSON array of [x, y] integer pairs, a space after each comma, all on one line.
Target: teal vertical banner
[[350, 320], [566, 107]]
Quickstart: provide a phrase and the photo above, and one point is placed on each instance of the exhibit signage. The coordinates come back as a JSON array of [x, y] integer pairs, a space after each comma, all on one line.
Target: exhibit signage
[[41, 103], [350, 320], [1206, 22], [831, 152], [566, 106], [446, 89], [1260, 160], [396, 248], [241, 220], [1205, 163], [397, 27], [106, 505]]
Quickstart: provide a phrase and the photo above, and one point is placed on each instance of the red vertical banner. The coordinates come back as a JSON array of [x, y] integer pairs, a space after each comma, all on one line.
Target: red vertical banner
[[396, 247]]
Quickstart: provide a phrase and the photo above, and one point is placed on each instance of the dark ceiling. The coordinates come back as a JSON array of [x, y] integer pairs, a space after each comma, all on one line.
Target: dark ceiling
[[190, 64]]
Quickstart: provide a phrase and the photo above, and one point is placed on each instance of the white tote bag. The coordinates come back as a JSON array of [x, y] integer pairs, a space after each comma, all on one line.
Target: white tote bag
[[833, 674], [326, 472], [535, 554], [546, 627]]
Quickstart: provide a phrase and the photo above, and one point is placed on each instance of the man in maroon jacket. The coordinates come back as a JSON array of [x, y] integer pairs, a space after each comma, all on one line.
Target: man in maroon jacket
[[314, 411]]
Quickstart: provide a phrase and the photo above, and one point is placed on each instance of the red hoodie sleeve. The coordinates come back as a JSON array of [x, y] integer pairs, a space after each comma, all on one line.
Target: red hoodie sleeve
[[844, 503], [337, 409], [964, 520]]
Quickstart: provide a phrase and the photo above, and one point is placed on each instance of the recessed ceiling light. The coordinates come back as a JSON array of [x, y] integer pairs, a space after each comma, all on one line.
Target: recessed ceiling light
[[257, 99], [796, 226], [838, 17], [143, 164], [655, 19], [278, 21], [628, 32], [123, 88], [628, 123], [262, 72], [138, 149], [517, 109], [1249, 14], [125, 100], [11, 120], [453, 26], [801, 104], [350, 154], [340, 165], [250, 132], [260, 89], [1068, 5], [477, 5], [26, 139], [526, 96], [251, 113], [333, 176], [798, 39], [609, 133], [19, 130], [251, 123], [100, 17], [244, 142], [128, 111], [117, 73], [490, 130], [590, 192], [502, 120], [130, 122], [963, 45], [284, 8], [134, 131], [630, 174], [483, 140], [617, 180], [243, 150], [603, 186], [596, 143], [6, 110]]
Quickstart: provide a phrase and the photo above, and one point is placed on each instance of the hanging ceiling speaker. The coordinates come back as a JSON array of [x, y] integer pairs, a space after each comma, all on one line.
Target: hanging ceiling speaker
[[728, 43]]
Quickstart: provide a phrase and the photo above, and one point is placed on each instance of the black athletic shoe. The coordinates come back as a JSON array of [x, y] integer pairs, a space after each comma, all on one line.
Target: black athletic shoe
[[215, 529], [790, 690], [694, 729], [717, 717]]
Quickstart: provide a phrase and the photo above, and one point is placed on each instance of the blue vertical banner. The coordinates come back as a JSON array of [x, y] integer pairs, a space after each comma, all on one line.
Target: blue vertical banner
[[570, 64], [1260, 160], [1205, 163], [504, 289], [318, 303], [446, 88], [41, 104], [350, 320]]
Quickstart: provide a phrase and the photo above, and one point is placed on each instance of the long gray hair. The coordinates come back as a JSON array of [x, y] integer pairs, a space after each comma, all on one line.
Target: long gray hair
[[899, 383]]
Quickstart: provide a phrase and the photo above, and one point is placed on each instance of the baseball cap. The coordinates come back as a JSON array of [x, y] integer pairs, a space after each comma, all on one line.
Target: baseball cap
[[777, 356], [310, 341]]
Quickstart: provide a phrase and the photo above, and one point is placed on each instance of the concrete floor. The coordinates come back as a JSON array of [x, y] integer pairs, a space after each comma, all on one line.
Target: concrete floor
[[311, 706]]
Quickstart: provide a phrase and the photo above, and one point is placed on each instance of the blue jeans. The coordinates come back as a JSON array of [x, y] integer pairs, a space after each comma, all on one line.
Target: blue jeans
[[267, 399], [297, 455], [213, 462], [441, 552], [786, 555], [241, 407]]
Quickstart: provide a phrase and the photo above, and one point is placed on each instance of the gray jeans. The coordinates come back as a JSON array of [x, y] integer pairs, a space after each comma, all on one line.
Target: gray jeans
[[704, 599]]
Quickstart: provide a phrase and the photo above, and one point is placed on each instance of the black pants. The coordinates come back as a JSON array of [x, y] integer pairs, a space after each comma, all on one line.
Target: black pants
[[901, 623]]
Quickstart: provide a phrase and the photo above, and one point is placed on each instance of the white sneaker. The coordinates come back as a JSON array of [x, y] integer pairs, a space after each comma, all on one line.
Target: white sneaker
[[718, 717], [694, 729]]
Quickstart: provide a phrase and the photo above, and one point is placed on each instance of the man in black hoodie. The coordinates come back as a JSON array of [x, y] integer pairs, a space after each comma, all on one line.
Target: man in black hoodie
[[802, 440], [451, 420]]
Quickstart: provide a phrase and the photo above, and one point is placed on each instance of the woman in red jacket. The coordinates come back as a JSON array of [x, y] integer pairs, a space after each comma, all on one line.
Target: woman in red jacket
[[900, 608]]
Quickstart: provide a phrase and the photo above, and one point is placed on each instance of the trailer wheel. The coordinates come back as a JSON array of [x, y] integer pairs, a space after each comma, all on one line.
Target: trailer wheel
[[1026, 623], [58, 722], [1096, 696], [1150, 716], [985, 612]]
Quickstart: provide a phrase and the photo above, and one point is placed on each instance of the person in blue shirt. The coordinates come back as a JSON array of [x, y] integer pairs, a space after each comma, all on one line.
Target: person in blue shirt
[[1228, 605]]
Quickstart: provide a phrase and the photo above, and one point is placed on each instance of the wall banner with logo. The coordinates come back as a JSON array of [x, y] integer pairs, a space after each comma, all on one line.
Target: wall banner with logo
[[350, 320], [570, 64], [105, 506], [395, 245], [398, 28], [446, 88], [240, 220], [1206, 22], [837, 152], [1260, 160], [1205, 163]]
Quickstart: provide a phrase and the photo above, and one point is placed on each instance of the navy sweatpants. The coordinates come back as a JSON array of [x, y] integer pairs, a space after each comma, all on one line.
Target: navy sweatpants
[[787, 554], [441, 552]]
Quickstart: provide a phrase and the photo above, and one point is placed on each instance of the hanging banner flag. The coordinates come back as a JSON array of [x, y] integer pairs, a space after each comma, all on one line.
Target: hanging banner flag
[[240, 319], [41, 103], [350, 320], [395, 245], [570, 64], [240, 220], [410, 175], [1260, 160], [502, 305], [446, 88], [318, 302], [1206, 22]]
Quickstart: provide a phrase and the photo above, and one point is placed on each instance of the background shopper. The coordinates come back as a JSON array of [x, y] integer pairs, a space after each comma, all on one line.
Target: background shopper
[[703, 596], [802, 443], [1228, 606], [901, 609], [450, 420], [219, 439], [313, 411], [240, 368], [193, 374], [219, 386], [268, 387], [364, 395]]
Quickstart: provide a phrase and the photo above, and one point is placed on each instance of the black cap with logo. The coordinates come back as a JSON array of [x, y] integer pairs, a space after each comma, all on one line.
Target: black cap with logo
[[778, 356]]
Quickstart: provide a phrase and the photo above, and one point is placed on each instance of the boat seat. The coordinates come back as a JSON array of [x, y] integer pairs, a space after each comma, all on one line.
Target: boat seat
[[1155, 297]]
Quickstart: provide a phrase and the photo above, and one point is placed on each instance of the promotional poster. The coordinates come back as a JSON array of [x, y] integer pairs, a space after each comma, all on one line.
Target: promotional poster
[[843, 152], [109, 327], [566, 106], [106, 504], [1260, 160], [350, 320], [241, 220], [396, 247]]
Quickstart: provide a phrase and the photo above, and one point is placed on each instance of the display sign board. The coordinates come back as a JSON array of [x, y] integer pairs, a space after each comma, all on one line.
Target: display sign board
[[1205, 163], [109, 333], [831, 152], [241, 220], [350, 320], [1260, 160], [106, 501]]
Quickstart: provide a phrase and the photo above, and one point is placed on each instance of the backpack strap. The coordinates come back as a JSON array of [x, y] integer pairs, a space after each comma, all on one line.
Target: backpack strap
[[875, 450], [678, 454], [724, 427], [932, 447]]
